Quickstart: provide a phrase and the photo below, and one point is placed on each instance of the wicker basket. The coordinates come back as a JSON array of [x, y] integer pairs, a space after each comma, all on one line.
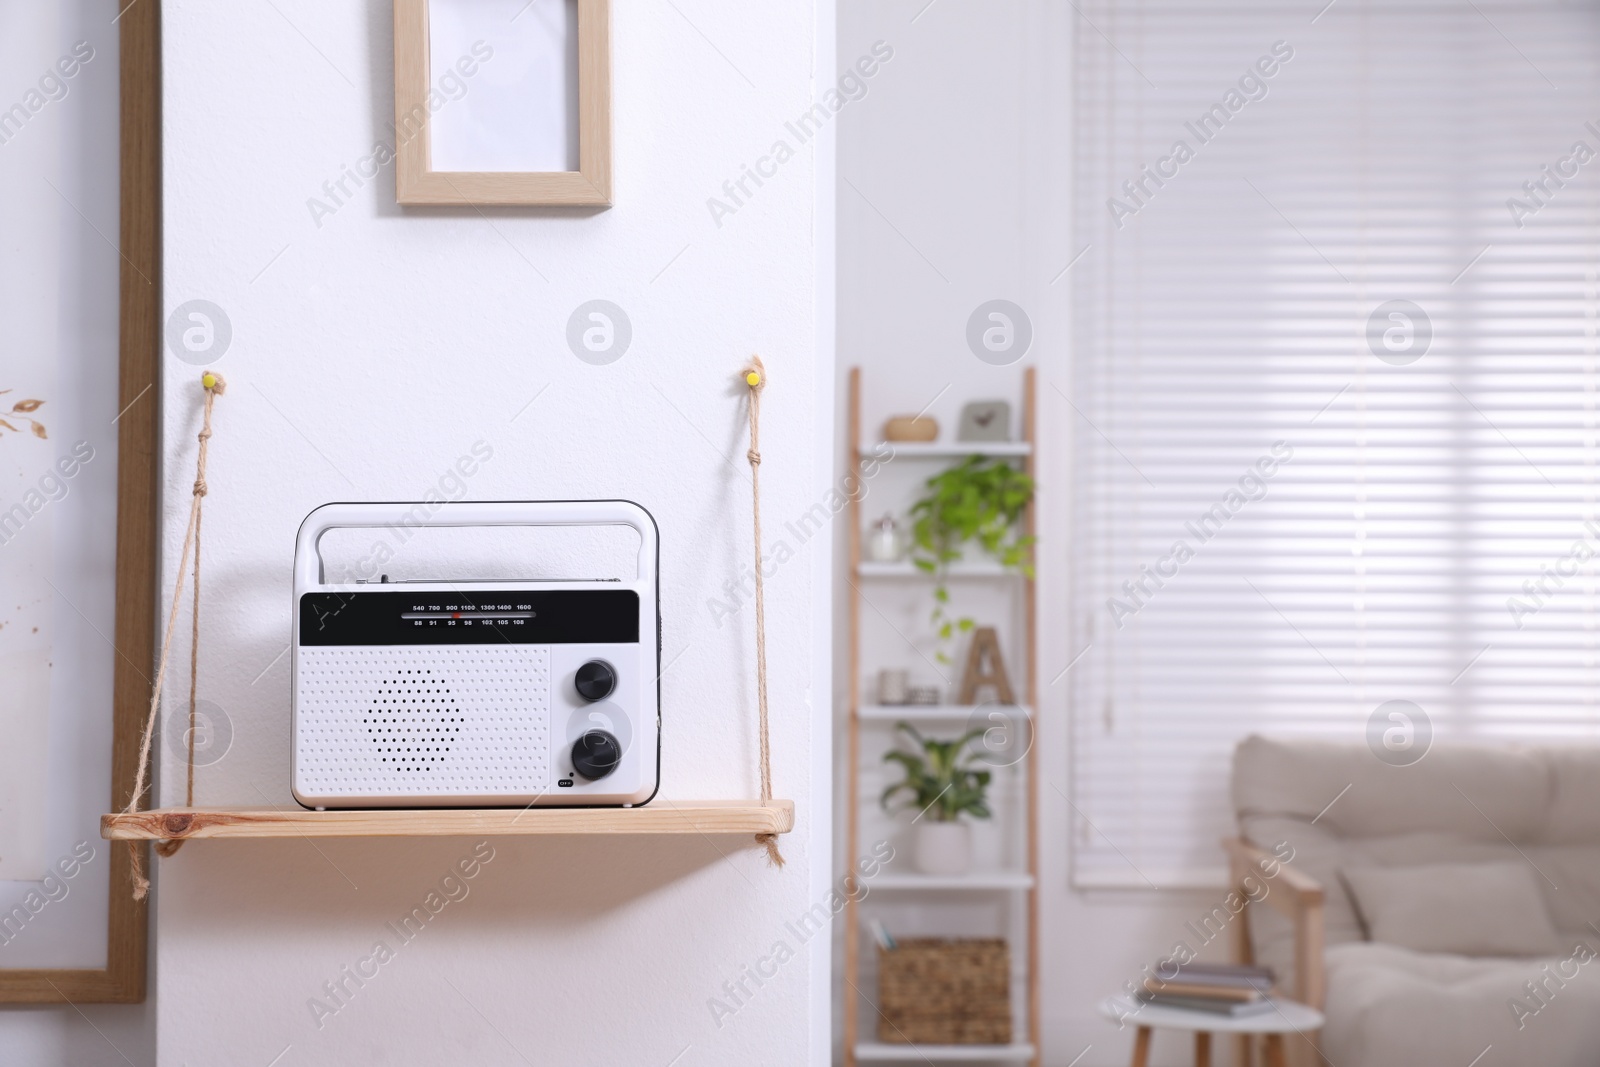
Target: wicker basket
[[937, 992]]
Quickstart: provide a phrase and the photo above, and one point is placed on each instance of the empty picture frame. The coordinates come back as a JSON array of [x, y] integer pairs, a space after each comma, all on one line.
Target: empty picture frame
[[502, 102]]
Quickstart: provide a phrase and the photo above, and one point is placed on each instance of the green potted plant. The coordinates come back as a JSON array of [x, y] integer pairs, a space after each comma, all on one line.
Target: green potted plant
[[980, 499], [942, 784]]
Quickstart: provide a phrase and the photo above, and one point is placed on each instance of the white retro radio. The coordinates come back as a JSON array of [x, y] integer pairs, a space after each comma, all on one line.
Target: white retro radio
[[476, 693]]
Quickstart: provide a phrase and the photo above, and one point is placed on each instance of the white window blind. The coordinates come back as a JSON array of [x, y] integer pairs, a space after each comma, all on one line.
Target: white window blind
[[1227, 314]]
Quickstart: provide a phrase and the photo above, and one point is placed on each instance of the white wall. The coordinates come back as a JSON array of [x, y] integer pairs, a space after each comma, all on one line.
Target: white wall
[[368, 354], [954, 190]]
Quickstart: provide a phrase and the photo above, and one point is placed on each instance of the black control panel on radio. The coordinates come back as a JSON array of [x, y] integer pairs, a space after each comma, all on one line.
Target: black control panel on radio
[[429, 617]]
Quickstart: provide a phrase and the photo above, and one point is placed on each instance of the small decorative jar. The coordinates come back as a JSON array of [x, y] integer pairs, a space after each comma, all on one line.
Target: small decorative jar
[[884, 541]]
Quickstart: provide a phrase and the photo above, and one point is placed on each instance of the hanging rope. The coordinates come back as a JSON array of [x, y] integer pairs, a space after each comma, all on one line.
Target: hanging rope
[[214, 387], [755, 376]]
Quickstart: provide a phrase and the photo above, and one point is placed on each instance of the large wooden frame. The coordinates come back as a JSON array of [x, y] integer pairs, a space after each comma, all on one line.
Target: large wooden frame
[[122, 980], [417, 183]]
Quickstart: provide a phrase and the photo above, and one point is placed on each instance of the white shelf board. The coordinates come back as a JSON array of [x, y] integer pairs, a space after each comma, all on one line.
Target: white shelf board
[[935, 712], [924, 1053], [979, 880], [983, 568], [946, 449]]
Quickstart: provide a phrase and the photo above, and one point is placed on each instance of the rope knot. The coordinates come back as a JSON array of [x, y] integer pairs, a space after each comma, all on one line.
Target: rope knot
[[770, 843], [754, 457], [200, 487]]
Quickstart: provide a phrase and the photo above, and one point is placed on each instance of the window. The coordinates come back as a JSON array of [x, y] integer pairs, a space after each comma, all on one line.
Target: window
[[1335, 374]]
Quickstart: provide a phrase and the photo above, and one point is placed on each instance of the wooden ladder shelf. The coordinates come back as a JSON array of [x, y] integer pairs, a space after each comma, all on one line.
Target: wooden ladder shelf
[[858, 1045]]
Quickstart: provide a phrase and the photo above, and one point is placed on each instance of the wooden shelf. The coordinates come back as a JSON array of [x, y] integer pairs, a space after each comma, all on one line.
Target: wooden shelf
[[1017, 892], [983, 568], [951, 450], [925, 1053], [978, 881], [935, 712], [659, 817]]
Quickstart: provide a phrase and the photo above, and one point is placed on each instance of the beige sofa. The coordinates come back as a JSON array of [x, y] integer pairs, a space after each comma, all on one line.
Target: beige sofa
[[1484, 860]]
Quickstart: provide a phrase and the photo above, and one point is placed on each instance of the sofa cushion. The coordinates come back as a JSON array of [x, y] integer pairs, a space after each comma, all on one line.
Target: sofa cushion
[[1323, 854], [1574, 813], [1570, 878], [1473, 791], [1470, 909], [1391, 1007]]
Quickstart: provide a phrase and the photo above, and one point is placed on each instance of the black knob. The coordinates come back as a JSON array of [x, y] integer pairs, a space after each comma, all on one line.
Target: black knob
[[596, 754], [596, 680]]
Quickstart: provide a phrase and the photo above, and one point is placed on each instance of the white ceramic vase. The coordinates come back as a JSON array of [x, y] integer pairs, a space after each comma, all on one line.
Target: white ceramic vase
[[943, 847], [884, 542]]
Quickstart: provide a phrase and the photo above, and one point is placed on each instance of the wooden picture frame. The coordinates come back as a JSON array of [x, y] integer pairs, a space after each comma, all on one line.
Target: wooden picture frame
[[417, 183], [122, 980]]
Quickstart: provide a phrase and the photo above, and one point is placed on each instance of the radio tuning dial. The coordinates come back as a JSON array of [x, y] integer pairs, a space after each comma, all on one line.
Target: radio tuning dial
[[596, 754], [595, 680]]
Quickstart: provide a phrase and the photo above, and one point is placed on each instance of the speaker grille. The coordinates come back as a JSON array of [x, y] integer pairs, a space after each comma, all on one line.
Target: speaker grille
[[421, 721], [413, 719]]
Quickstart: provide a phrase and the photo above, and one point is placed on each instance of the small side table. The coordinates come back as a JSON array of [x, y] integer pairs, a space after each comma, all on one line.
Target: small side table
[[1288, 1018]]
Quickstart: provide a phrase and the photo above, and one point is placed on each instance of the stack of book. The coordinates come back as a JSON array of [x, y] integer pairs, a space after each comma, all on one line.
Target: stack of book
[[1233, 989]]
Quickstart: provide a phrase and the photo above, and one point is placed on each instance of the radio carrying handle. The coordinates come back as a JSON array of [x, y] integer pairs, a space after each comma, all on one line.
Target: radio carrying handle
[[308, 553]]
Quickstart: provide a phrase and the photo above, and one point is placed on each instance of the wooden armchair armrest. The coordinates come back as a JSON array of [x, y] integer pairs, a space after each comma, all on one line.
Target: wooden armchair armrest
[[1260, 877], [1245, 858]]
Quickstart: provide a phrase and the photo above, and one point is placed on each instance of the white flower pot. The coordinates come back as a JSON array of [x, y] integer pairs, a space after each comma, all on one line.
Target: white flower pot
[[943, 847]]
